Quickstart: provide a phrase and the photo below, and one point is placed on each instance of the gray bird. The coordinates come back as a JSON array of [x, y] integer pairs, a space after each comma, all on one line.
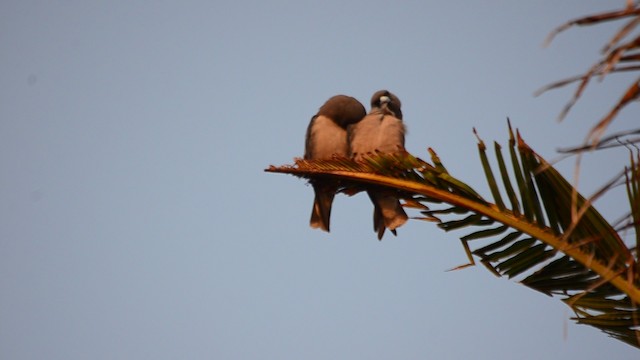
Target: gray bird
[[381, 130], [326, 137]]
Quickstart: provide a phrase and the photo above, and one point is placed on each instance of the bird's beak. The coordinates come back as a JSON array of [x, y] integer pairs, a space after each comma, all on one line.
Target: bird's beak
[[385, 99]]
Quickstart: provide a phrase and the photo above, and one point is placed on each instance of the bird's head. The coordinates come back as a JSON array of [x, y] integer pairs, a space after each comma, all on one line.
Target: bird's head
[[387, 102]]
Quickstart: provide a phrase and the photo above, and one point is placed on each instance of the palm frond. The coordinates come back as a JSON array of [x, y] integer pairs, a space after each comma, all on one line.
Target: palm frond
[[632, 175], [546, 235], [614, 53]]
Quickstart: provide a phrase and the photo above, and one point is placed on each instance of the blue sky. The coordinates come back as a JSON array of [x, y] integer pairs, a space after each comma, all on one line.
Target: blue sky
[[136, 220]]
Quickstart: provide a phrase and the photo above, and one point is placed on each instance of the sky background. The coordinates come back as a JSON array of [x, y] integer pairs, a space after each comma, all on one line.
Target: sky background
[[136, 221]]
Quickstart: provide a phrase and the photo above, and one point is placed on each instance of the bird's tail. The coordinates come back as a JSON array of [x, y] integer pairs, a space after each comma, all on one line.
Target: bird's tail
[[321, 212], [387, 212]]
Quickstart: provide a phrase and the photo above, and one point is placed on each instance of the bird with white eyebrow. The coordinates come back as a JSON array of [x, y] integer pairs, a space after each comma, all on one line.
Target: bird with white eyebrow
[[382, 130]]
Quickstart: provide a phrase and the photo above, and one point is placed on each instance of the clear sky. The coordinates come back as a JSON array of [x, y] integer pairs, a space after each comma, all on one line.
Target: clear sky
[[136, 221]]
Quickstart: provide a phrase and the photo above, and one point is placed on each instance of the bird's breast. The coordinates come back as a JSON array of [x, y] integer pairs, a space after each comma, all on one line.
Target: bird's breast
[[327, 139]]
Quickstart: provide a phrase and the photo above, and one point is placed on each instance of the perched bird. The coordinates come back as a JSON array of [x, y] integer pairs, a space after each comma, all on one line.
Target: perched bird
[[381, 130], [326, 137]]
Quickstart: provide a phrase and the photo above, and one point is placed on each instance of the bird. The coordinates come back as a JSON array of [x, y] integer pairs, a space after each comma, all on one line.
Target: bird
[[381, 130], [327, 137]]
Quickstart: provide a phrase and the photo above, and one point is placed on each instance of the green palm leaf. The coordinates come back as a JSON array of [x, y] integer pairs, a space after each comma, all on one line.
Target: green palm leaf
[[548, 236]]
